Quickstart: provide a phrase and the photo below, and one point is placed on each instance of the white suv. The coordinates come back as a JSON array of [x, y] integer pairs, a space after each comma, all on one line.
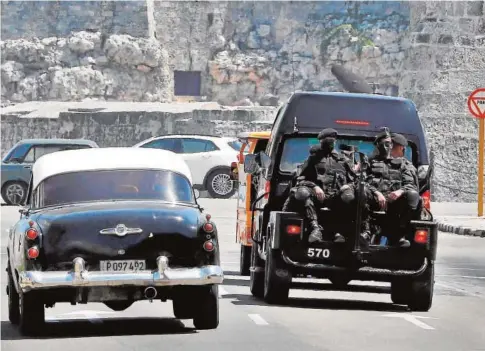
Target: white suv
[[209, 159]]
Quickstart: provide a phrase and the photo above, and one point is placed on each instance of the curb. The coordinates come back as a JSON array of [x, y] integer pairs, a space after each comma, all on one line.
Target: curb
[[460, 230]]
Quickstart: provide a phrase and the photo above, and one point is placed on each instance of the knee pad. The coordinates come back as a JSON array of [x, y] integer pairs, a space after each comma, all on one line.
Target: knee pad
[[347, 196], [413, 199], [302, 194]]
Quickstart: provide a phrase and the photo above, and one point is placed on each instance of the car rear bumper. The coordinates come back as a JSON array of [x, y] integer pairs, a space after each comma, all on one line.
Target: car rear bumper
[[80, 277]]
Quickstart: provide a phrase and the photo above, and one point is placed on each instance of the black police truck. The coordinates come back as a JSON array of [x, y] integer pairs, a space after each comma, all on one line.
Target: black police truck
[[280, 249]]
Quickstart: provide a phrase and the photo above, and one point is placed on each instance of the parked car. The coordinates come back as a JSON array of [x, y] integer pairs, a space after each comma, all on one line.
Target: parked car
[[209, 159], [17, 164], [113, 225]]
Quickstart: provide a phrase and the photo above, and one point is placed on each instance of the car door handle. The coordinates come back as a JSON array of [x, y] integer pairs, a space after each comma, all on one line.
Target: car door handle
[[27, 166]]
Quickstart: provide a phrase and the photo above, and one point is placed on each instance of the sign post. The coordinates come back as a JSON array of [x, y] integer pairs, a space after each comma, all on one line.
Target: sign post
[[476, 105]]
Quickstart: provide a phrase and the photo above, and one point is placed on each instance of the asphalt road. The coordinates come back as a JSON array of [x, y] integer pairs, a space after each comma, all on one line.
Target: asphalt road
[[316, 318]]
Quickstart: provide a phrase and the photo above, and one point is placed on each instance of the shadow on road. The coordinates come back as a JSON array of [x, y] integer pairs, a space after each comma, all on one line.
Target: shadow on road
[[106, 327], [312, 286], [312, 303]]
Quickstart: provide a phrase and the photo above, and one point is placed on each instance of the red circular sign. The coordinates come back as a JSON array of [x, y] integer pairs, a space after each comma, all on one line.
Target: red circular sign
[[476, 103]]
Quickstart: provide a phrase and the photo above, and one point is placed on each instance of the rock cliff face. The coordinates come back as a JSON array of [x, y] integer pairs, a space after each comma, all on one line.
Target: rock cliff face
[[85, 65], [257, 50]]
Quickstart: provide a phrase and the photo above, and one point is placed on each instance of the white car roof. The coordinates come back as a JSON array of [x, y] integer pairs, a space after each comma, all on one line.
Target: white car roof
[[180, 136], [107, 159]]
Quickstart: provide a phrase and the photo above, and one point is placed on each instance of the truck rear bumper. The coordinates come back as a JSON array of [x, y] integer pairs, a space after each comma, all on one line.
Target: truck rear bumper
[[80, 277], [360, 273]]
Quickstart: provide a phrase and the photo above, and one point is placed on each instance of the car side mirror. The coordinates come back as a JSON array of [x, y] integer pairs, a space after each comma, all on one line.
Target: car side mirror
[[251, 163], [196, 193]]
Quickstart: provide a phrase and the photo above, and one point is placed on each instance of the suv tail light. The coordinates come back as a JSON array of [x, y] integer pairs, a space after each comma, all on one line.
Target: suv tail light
[[426, 197], [421, 236], [293, 229]]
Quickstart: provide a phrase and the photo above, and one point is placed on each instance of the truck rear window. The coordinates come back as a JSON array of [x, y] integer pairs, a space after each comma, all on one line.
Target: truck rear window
[[296, 150]]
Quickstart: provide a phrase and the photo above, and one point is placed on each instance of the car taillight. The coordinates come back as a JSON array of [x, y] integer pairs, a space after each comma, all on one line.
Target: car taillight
[[267, 188], [426, 197], [208, 246], [208, 227], [33, 252], [293, 229], [421, 236], [31, 234]]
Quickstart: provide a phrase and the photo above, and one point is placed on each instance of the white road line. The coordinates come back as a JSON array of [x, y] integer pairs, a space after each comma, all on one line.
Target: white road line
[[222, 291], [256, 318], [459, 276], [412, 319], [464, 291]]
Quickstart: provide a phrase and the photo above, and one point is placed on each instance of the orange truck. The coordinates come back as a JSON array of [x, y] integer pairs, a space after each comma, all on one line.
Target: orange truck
[[252, 142]]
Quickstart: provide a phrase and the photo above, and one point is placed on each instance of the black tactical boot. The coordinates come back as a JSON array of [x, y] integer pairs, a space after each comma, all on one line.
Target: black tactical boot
[[339, 238], [404, 243], [315, 234]]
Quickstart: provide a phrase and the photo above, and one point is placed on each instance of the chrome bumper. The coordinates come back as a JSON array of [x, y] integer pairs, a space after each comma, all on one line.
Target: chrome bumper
[[80, 277]]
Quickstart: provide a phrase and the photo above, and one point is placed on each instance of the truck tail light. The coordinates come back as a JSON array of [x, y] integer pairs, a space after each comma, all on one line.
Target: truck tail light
[[426, 197], [33, 252], [421, 236], [293, 229], [31, 234]]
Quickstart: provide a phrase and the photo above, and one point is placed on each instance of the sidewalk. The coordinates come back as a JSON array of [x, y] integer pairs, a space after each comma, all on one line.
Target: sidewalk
[[459, 218]]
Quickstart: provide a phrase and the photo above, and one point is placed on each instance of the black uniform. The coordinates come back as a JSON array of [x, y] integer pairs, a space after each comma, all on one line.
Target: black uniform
[[387, 174], [329, 170]]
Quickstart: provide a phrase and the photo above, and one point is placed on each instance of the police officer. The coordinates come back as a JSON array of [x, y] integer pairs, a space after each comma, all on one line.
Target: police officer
[[321, 184], [399, 143], [392, 182]]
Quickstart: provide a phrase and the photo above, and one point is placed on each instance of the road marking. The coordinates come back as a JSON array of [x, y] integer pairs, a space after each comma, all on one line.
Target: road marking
[[222, 291], [412, 319], [256, 318], [459, 276], [464, 291], [92, 316]]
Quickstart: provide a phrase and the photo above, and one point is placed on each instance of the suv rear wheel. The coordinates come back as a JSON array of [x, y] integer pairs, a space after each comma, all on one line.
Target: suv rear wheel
[[219, 184]]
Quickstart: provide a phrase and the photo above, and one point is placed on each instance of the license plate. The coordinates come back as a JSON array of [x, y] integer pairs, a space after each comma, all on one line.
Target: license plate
[[122, 266], [318, 253]]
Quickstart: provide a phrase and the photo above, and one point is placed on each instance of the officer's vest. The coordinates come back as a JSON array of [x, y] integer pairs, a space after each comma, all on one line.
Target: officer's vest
[[331, 173], [387, 175]]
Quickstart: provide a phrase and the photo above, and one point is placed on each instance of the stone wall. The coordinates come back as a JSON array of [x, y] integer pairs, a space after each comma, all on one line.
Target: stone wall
[[445, 62], [83, 65], [125, 124], [252, 50], [43, 19]]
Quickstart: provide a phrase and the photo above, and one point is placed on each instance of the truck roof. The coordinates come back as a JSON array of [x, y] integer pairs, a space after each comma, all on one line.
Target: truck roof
[[350, 114]]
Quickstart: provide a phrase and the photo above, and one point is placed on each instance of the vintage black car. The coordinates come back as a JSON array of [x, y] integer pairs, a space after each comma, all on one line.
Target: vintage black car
[[280, 250], [113, 225]]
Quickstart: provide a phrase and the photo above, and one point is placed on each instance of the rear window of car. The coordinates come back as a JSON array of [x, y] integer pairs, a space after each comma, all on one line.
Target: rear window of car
[[235, 144], [296, 150], [103, 185]]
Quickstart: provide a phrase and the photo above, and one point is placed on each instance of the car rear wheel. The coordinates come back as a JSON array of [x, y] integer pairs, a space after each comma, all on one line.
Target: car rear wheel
[[245, 260], [32, 314], [220, 185], [13, 302], [13, 193], [207, 312], [182, 308]]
